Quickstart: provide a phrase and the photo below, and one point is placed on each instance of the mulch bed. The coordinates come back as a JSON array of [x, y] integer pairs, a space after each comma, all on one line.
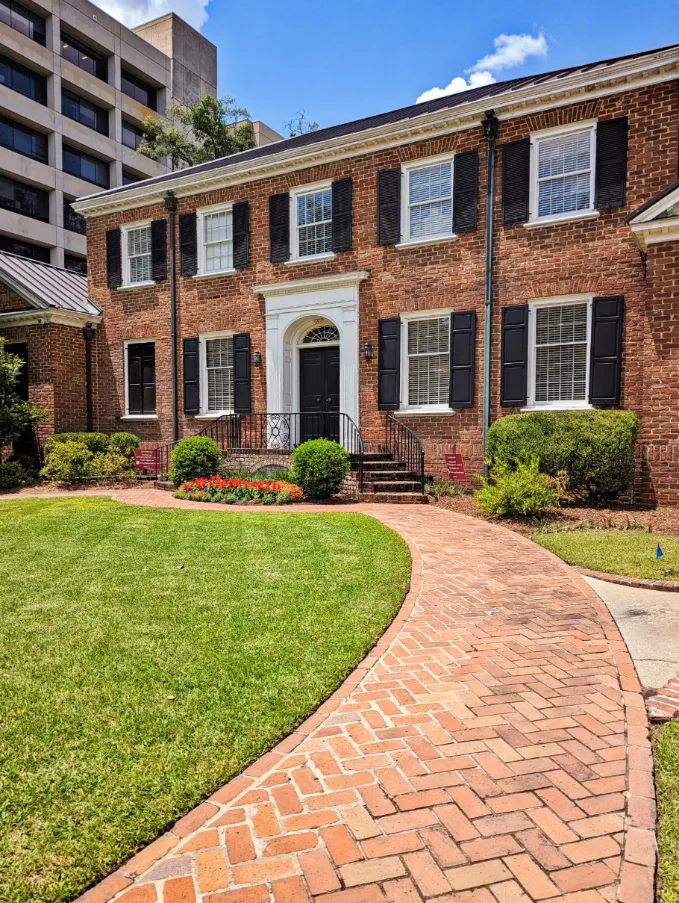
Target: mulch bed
[[663, 520]]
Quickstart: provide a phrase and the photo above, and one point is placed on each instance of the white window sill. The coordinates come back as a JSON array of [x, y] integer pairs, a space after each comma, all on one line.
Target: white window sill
[[431, 409], [330, 255], [215, 415], [133, 285], [555, 220], [574, 406], [215, 273], [140, 417], [419, 242]]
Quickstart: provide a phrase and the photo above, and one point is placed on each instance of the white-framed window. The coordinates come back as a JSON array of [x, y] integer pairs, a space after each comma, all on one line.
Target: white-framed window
[[137, 267], [215, 240], [140, 378], [311, 221], [427, 207], [562, 172], [425, 361], [559, 350], [216, 374]]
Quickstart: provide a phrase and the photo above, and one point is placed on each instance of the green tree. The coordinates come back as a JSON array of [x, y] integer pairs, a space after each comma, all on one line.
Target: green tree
[[299, 124], [198, 132], [16, 415]]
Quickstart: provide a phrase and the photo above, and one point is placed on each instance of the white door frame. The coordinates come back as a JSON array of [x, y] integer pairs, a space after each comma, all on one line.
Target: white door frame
[[294, 307]]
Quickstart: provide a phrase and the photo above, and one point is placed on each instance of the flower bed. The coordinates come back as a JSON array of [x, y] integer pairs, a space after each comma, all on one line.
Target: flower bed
[[230, 491]]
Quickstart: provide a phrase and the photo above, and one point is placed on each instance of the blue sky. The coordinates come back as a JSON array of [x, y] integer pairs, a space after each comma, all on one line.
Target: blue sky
[[340, 61]]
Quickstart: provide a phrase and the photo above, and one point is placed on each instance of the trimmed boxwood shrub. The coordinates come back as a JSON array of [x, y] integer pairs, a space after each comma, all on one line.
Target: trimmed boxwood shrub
[[593, 449], [319, 466], [125, 444], [12, 474], [67, 462], [195, 456], [93, 442]]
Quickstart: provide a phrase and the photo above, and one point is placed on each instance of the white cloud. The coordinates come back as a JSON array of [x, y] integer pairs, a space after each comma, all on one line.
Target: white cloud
[[459, 83], [510, 50], [134, 12]]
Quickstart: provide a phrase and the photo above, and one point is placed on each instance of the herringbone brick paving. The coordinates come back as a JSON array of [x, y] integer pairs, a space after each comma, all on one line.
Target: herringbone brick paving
[[493, 748]]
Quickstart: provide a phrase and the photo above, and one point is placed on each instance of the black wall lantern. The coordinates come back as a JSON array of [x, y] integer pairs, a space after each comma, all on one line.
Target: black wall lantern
[[367, 350], [257, 358]]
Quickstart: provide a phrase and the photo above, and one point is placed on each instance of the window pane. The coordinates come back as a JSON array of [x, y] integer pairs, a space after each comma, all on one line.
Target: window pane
[[561, 353], [564, 195], [139, 254], [564, 168], [218, 239], [428, 361], [219, 365], [314, 222], [429, 199], [564, 154]]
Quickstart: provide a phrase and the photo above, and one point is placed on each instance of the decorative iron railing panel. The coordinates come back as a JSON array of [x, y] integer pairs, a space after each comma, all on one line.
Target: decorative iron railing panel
[[405, 446], [276, 432]]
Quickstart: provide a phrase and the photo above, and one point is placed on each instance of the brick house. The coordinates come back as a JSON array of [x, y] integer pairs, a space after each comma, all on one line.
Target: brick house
[[47, 319], [355, 270]]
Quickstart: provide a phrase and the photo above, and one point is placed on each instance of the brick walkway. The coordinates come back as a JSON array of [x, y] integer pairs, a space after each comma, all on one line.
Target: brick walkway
[[492, 749]]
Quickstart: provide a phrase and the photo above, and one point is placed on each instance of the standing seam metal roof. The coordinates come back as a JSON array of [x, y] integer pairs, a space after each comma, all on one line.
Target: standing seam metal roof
[[47, 286]]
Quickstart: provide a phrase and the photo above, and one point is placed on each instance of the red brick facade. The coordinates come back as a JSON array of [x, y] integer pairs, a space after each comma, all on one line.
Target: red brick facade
[[593, 256], [56, 367]]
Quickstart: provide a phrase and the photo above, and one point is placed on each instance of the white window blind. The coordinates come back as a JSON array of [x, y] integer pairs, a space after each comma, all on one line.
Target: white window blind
[[218, 241], [314, 223], [564, 173], [428, 361], [219, 372], [139, 254], [561, 343], [430, 200]]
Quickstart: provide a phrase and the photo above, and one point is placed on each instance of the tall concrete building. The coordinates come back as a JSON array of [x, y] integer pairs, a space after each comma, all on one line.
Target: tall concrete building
[[75, 86]]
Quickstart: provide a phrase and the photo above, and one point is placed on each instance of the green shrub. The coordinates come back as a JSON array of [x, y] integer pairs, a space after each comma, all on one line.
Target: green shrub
[[67, 462], [319, 466], [595, 449], [520, 491], [12, 474], [94, 442], [442, 488], [125, 444], [111, 465], [195, 456]]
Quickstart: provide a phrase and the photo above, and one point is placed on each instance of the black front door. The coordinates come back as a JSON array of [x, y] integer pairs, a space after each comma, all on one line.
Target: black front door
[[319, 393], [25, 444]]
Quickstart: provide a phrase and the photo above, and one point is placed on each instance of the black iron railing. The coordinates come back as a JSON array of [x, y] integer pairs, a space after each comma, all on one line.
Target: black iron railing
[[405, 446], [276, 432]]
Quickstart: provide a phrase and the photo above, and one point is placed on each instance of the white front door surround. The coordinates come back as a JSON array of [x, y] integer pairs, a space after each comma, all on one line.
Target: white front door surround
[[292, 308]]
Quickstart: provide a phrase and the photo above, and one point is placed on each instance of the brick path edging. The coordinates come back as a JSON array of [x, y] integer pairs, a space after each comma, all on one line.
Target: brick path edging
[[636, 870], [669, 586]]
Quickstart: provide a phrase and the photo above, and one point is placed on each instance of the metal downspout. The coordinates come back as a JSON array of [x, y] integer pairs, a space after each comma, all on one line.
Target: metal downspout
[[490, 129], [171, 207]]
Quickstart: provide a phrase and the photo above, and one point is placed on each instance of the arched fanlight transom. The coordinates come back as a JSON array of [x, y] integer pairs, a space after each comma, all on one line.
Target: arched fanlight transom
[[319, 334]]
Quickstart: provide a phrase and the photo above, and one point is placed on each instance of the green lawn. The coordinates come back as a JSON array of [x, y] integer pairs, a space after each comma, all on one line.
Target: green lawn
[[147, 655], [667, 788], [627, 552]]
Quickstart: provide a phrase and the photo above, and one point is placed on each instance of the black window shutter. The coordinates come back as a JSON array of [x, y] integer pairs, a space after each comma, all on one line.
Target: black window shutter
[[341, 215], [462, 358], [114, 272], [388, 363], [241, 373], [514, 359], [148, 371], [515, 181], [159, 250], [241, 234], [606, 350], [134, 380], [141, 378], [188, 250], [279, 228], [465, 191], [389, 206], [191, 373], [611, 163]]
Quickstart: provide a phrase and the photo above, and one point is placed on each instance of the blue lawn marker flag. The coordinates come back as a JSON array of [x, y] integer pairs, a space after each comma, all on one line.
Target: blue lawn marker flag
[[659, 552]]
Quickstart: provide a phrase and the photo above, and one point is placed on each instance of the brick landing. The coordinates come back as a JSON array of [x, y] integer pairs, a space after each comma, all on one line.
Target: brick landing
[[493, 748]]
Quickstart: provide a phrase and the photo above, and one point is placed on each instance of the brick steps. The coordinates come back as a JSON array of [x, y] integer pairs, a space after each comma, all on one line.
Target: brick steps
[[387, 480]]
